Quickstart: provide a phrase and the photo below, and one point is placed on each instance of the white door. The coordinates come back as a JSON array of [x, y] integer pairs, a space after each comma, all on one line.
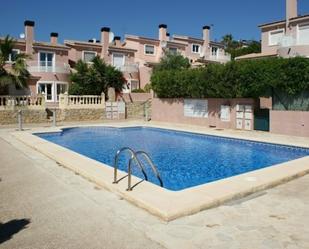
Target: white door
[[46, 61], [61, 88], [47, 89]]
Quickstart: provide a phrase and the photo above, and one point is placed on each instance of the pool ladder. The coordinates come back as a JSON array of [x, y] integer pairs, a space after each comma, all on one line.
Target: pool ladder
[[139, 163]]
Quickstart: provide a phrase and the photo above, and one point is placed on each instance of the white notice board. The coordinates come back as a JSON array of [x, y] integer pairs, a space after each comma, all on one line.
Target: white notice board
[[196, 108]]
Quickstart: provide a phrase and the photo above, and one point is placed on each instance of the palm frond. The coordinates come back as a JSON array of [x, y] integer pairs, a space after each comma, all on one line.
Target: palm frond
[[18, 73], [6, 80], [6, 47]]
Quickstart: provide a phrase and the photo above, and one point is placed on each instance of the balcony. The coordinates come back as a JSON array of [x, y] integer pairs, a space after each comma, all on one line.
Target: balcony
[[288, 46], [287, 41], [128, 68], [39, 67], [219, 57]]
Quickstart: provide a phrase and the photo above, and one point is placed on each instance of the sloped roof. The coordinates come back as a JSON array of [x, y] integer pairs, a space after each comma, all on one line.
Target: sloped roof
[[256, 56]]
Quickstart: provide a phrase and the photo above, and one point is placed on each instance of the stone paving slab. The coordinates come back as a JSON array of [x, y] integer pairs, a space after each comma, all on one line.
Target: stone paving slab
[[47, 206], [67, 211]]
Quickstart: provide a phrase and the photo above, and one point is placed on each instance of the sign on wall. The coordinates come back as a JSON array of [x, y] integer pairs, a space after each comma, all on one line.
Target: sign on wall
[[225, 113], [196, 108]]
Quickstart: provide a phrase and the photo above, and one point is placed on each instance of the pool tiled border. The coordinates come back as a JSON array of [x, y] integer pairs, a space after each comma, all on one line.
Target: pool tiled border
[[169, 205]]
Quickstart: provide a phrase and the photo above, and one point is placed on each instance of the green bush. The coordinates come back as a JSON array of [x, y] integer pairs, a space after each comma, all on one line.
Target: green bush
[[95, 78], [250, 78], [138, 90], [147, 88], [172, 62]]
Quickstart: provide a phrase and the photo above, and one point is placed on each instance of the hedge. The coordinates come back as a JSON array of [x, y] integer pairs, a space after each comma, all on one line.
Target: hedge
[[250, 78]]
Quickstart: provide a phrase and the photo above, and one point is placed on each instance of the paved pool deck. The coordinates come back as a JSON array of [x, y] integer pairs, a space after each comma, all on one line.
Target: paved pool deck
[[48, 206]]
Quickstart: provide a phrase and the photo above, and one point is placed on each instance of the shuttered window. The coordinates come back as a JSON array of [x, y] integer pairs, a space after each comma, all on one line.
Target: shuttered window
[[118, 60], [303, 34], [89, 56], [275, 37]]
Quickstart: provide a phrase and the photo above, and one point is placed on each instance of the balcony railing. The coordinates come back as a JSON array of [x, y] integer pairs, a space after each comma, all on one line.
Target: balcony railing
[[287, 41], [81, 101], [129, 68], [219, 57], [42, 67], [11, 102]]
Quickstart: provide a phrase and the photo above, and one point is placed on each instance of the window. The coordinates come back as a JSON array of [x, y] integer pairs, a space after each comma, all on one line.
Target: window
[[52, 89], [303, 34], [214, 51], [88, 56], [47, 90], [134, 84], [46, 61], [149, 49], [173, 50], [61, 88], [275, 37], [118, 60], [13, 54], [196, 48]]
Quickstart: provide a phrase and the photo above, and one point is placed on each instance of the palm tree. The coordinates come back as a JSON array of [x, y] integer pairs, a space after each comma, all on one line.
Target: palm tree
[[95, 77], [17, 73]]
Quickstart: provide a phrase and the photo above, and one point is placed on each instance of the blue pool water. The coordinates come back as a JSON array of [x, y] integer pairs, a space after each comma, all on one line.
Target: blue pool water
[[183, 159]]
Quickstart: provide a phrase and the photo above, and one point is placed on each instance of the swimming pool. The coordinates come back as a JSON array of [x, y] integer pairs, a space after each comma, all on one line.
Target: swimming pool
[[183, 159]]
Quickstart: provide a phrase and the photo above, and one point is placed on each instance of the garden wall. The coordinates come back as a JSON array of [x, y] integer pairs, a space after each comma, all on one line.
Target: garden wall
[[134, 97], [43, 116], [134, 110], [172, 110], [295, 123]]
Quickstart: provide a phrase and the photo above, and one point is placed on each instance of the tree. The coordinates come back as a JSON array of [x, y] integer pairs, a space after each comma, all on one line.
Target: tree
[[16, 74], [172, 61], [94, 78], [238, 48]]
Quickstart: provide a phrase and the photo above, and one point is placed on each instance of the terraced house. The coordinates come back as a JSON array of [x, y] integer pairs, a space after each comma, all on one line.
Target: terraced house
[[50, 62], [47, 63], [285, 38]]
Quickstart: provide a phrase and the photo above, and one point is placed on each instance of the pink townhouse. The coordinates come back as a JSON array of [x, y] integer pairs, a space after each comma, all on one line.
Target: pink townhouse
[[112, 51], [47, 63], [50, 63], [284, 38], [199, 51], [136, 56]]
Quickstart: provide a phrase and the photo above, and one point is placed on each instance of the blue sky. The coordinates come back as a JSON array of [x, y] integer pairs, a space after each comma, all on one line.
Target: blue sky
[[82, 20]]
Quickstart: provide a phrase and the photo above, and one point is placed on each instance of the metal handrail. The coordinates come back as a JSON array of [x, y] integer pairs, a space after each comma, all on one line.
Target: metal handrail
[[133, 157], [153, 167]]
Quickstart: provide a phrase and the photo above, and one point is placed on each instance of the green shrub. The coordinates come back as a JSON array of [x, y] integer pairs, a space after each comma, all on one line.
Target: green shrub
[[147, 88], [138, 90], [250, 78], [95, 78]]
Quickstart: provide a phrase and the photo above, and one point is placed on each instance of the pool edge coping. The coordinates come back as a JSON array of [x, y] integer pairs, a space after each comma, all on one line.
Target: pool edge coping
[[163, 203]]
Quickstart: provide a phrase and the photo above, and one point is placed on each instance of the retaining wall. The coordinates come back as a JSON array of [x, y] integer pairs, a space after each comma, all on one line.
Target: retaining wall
[[172, 110], [295, 123], [135, 110]]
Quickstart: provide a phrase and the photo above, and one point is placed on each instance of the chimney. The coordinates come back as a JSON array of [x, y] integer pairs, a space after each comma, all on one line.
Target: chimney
[[168, 35], [206, 39], [163, 32], [117, 41], [54, 38], [291, 10], [105, 42], [29, 32]]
